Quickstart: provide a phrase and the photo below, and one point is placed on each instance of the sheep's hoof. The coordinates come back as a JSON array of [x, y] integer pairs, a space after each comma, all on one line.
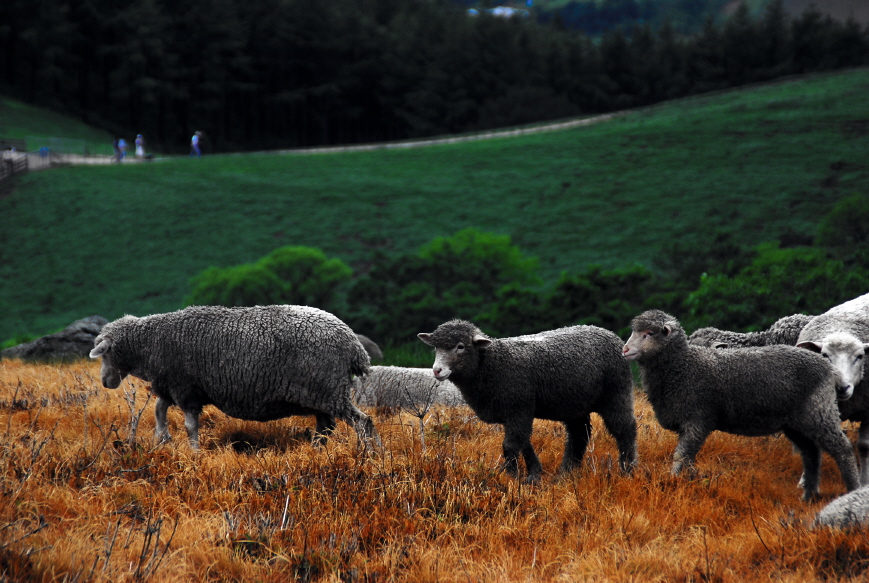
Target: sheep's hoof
[[531, 480], [811, 496]]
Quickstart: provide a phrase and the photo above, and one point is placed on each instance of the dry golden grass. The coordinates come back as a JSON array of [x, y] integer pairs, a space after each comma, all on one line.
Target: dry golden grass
[[81, 501]]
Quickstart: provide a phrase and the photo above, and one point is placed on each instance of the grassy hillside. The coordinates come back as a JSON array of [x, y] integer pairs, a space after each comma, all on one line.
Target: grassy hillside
[[761, 163], [21, 121]]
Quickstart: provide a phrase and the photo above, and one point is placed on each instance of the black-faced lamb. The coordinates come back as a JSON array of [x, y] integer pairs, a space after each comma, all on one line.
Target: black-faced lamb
[[754, 391], [411, 389], [562, 375], [850, 510], [841, 334], [783, 331], [261, 363]]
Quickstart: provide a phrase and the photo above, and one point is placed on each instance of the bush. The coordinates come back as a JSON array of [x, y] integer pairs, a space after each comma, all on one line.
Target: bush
[[239, 285], [288, 275], [779, 282], [847, 225], [451, 277]]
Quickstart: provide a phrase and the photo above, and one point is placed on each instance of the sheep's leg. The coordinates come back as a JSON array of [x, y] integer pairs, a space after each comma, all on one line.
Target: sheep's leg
[[578, 436], [191, 424], [517, 438], [361, 423], [325, 427], [691, 439], [834, 441], [162, 430], [811, 455], [622, 425], [863, 452]]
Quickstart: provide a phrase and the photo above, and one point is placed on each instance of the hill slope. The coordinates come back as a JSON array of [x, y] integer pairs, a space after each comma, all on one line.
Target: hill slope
[[760, 163]]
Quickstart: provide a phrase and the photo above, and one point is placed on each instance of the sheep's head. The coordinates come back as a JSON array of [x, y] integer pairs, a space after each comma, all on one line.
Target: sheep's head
[[708, 338], [651, 332], [457, 344], [846, 353], [110, 374]]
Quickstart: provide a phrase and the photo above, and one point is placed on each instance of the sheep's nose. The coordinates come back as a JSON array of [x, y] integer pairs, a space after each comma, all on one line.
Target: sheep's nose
[[437, 371], [625, 350]]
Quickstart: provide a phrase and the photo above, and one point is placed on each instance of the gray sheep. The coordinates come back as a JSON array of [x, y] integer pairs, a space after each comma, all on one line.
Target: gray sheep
[[370, 347], [846, 511], [783, 331], [841, 335], [748, 391], [260, 364], [406, 388], [562, 375]]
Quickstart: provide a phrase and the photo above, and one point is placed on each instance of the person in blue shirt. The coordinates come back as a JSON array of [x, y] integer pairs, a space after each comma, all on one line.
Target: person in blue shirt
[[195, 150]]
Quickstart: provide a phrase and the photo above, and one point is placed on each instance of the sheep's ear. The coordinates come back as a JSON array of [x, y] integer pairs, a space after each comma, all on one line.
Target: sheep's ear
[[813, 346], [481, 342], [425, 337], [720, 345], [101, 348], [665, 330]]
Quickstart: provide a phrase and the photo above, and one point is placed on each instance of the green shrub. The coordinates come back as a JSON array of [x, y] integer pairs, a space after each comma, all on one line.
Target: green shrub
[[847, 225], [451, 277], [779, 282], [238, 285], [310, 278], [288, 275]]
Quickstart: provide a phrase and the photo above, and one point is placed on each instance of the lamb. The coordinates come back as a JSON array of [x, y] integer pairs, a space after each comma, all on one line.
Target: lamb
[[748, 391], [846, 511], [841, 334], [783, 331], [261, 363], [562, 375], [405, 388]]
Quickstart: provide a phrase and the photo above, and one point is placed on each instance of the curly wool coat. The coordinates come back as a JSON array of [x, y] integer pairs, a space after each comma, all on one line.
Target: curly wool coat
[[563, 375], [783, 331], [260, 363], [748, 391]]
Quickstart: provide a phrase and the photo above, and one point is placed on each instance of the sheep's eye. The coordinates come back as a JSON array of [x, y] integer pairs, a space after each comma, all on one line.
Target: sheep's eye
[[827, 356], [859, 357], [460, 346]]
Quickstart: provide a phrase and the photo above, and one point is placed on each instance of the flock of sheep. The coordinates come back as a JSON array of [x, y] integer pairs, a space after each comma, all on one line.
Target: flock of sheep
[[800, 378]]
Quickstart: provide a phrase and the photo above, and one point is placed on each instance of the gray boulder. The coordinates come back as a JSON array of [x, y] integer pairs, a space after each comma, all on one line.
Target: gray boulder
[[72, 343]]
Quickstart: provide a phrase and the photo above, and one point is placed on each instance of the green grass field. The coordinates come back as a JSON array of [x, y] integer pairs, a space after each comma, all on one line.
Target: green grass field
[[759, 163], [34, 124]]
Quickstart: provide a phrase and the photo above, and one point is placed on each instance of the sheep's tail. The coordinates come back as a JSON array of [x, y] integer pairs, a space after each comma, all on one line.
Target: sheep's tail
[[360, 362]]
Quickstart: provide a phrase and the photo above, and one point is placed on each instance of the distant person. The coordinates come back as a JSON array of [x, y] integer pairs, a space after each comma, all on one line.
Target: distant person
[[195, 150], [116, 147], [140, 146], [122, 146]]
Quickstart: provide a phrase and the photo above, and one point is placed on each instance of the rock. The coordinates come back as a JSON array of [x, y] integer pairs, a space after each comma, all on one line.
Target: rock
[[72, 343]]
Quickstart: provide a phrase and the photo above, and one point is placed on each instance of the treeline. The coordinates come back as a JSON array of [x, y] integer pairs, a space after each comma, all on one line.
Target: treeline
[[287, 73], [485, 278]]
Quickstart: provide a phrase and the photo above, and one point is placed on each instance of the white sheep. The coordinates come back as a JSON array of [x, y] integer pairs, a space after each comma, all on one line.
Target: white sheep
[[411, 389], [841, 335], [847, 511]]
